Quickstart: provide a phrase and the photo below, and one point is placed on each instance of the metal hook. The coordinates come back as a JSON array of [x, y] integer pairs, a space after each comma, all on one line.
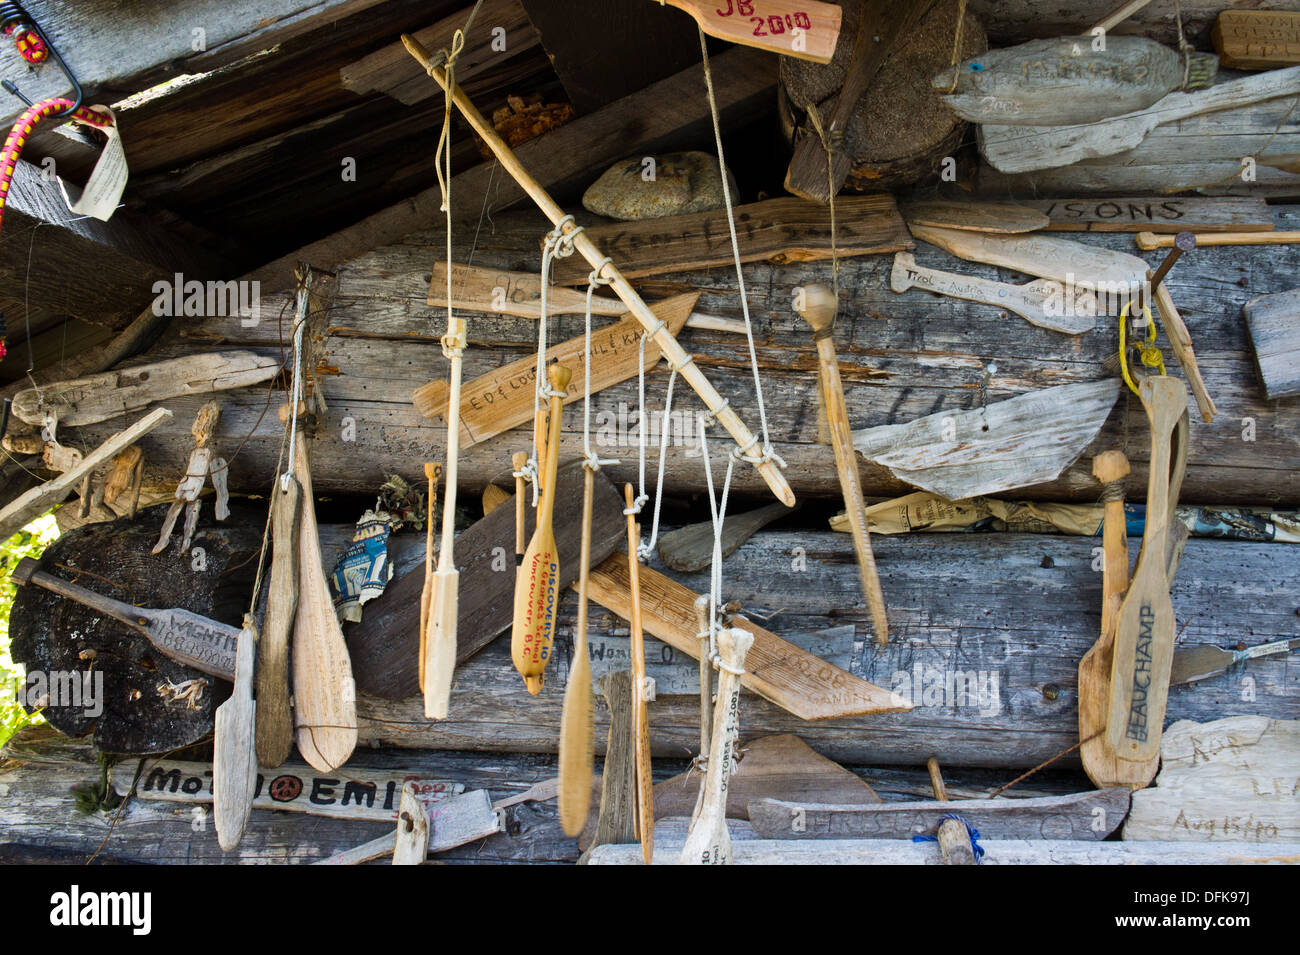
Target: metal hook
[[13, 14]]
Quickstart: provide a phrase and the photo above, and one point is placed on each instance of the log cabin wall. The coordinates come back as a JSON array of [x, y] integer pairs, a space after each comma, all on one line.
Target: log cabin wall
[[240, 154]]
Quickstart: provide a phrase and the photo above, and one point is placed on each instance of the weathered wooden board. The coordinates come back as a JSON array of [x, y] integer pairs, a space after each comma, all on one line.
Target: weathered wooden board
[[1230, 781], [1050, 257], [901, 356], [751, 851], [1257, 39], [774, 230], [354, 793], [1156, 213], [1011, 444], [1274, 324], [1087, 816], [991, 668]]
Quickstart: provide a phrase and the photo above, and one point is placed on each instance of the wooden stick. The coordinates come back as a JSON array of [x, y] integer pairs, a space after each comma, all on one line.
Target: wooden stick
[[640, 687], [1153, 240], [577, 727], [706, 672], [274, 720], [954, 841], [1180, 342], [411, 842], [617, 819], [1119, 15], [1144, 638], [818, 310], [432, 472], [1111, 467], [234, 755], [41, 498], [519, 460], [324, 694], [535, 588], [708, 842], [674, 352], [804, 29]]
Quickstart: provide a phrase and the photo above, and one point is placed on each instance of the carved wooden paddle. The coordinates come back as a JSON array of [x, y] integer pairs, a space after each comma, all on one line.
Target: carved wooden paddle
[[234, 756], [708, 842], [536, 588], [805, 29], [1144, 636], [274, 720], [432, 472], [576, 720]]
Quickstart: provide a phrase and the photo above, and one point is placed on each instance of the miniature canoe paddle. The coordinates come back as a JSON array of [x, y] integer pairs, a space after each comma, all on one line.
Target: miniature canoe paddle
[[818, 311], [431, 472], [186, 637], [536, 589], [708, 842], [1201, 663], [1042, 302], [234, 755], [274, 720], [804, 29], [1144, 634], [577, 727]]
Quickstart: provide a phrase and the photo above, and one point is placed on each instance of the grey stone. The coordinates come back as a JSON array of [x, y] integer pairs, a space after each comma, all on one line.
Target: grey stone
[[649, 187]]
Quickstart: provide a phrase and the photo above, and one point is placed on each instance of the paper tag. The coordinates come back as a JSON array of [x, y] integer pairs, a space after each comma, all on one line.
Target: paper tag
[[103, 191]]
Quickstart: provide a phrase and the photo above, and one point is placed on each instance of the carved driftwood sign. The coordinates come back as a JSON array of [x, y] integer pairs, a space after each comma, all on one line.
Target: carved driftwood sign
[[1025, 440], [1257, 39]]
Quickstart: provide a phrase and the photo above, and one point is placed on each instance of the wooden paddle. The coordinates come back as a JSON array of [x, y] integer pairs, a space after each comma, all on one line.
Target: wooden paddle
[[519, 459], [708, 842], [274, 719], [503, 398], [577, 722], [411, 842], [520, 293], [234, 756], [804, 29], [645, 802], [183, 636], [538, 582], [431, 472], [1042, 302], [767, 467], [1013, 149], [689, 549], [324, 695], [818, 310], [1153, 240], [1202, 663], [1144, 635]]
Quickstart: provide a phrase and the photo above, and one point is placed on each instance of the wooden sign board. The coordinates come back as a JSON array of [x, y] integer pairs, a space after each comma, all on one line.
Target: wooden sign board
[[775, 230], [362, 794], [1257, 39], [1154, 214]]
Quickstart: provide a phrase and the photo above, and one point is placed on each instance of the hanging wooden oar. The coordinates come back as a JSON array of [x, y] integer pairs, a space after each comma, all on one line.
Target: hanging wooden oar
[[767, 466], [234, 755], [818, 310], [708, 842], [577, 727], [520, 293], [274, 719], [431, 472], [324, 695], [1145, 626], [804, 29], [183, 636], [1042, 302], [536, 590], [645, 802]]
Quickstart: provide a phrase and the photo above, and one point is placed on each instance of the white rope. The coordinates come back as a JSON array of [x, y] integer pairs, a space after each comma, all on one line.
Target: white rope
[[591, 461], [559, 244], [300, 322], [768, 454], [718, 514]]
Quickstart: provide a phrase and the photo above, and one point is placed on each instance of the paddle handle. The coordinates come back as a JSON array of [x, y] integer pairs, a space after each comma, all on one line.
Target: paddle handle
[[640, 705], [521, 534], [707, 841], [1154, 240], [1180, 340], [1110, 468], [576, 718], [668, 345], [559, 377], [274, 719], [706, 672]]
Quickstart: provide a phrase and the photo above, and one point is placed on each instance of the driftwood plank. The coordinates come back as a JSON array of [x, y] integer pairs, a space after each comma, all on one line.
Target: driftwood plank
[[1087, 816], [775, 230], [1154, 214], [1274, 324]]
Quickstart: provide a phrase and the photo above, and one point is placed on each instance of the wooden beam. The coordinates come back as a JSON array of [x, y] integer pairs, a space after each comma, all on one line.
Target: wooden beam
[[664, 115]]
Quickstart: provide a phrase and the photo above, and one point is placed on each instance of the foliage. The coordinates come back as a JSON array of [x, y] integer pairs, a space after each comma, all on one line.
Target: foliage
[[31, 541]]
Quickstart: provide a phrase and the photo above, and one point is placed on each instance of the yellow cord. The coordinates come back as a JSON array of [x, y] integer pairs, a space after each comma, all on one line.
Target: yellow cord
[[1150, 354]]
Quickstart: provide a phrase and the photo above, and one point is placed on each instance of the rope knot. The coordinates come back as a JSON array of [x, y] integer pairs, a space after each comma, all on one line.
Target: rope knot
[[453, 343], [594, 463], [596, 277], [559, 243]]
